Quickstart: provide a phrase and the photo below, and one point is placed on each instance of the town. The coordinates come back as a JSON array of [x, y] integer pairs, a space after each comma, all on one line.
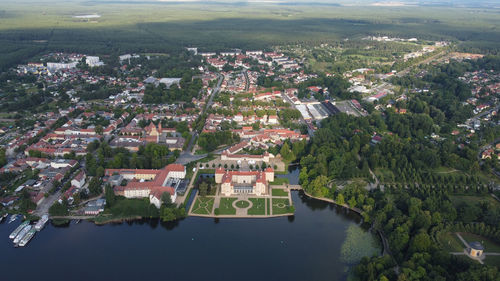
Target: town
[[207, 134]]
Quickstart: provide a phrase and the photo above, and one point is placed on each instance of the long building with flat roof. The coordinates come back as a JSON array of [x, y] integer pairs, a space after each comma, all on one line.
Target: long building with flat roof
[[148, 182]]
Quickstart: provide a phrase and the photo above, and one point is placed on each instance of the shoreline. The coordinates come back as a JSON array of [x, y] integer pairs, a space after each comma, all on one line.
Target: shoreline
[[241, 217], [356, 210]]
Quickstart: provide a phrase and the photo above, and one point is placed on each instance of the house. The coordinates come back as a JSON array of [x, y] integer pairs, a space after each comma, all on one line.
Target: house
[[95, 207], [79, 180], [375, 139]]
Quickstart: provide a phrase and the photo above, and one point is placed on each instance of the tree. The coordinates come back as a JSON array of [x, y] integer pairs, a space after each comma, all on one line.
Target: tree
[[99, 130], [58, 209], [203, 189], [340, 199], [167, 214], [286, 153], [95, 187], [166, 199], [110, 195]]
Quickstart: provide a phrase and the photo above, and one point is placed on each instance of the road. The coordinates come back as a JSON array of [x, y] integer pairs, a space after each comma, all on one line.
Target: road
[[427, 60], [43, 208], [247, 81], [470, 122], [188, 154]]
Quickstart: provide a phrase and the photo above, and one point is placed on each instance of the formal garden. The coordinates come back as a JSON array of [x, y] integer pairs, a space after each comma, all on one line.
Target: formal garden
[[282, 206], [203, 206]]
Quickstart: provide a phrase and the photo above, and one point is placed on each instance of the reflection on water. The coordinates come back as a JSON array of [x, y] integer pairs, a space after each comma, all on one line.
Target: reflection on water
[[306, 246]]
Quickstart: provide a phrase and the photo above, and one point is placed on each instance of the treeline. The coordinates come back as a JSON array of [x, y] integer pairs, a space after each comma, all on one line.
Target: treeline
[[210, 141], [151, 156]]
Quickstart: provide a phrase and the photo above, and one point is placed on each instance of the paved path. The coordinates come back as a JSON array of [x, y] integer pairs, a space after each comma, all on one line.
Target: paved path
[[242, 211], [496, 197], [462, 239]]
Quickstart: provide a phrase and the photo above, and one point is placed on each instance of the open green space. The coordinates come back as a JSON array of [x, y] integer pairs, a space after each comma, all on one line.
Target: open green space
[[124, 208], [226, 206], [203, 205], [242, 204], [492, 260], [450, 242], [279, 181], [489, 245], [470, 200], [279, 192], [281, 206], [258, 207]]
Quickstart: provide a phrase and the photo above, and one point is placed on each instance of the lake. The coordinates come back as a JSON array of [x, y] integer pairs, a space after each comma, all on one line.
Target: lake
[[306, 246]]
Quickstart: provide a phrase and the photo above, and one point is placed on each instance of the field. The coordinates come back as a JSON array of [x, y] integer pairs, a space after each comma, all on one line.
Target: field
[[258, 207], [28, 28]]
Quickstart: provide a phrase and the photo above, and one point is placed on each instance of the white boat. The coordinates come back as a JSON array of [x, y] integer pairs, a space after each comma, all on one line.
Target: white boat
[[12, 218], [27, 237], [41, 223], [21, 234], [18, 229]]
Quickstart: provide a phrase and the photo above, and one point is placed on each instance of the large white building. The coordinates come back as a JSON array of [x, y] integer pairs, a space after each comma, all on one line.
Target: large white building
[[239, 182], [148, 183]]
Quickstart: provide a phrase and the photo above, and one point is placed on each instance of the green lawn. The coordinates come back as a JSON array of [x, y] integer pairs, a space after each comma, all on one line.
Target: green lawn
[[258, 207], [279, 192], [281, 206], [206, 171], [279, 181], [226, 206], [489, 246], [268, 206], [450, 242], [203, 206], [492, 260], [474, 200], [242, 204]]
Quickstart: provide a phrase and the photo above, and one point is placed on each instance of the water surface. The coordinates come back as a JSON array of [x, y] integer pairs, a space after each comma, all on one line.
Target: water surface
[[303, 247]]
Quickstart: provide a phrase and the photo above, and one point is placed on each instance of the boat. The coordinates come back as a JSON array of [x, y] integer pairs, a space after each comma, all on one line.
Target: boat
[[3, 217], [12, 218], [41, 223], [27, 237], [18, 229], [22, 233]]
